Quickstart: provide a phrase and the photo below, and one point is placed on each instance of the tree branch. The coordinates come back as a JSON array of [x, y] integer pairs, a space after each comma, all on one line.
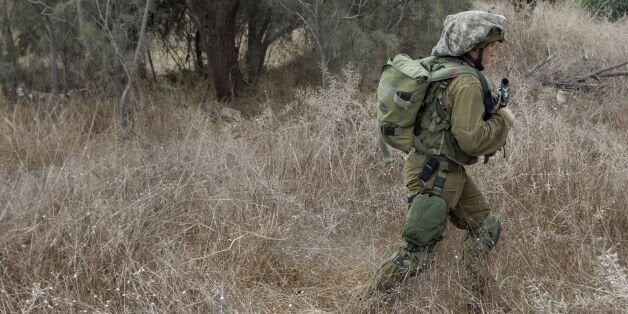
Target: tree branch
[[538, 66]]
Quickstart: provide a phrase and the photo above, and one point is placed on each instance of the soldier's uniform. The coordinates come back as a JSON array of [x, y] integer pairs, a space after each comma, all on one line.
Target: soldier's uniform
[[454, 126]]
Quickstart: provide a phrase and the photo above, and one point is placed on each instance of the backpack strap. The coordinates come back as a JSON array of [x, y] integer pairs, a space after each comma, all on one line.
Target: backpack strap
[[443, 71], [388, 159], [487, 96], [453, 68]]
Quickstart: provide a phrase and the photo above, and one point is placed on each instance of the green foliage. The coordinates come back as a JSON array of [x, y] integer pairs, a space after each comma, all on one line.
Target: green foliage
[[611, 9], [89, 49], [425, 23], [382, 29], [355, 45]]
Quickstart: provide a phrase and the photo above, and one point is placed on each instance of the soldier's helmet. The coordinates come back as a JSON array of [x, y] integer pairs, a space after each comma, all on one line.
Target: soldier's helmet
[[465, 31]]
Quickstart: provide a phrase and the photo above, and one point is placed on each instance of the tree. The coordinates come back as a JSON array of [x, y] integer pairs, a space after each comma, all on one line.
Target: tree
[[9, 59], [265, 22], [132, 69], [322, 19], [366, 32], [44, 10], [221, 25], [172, 25], [216, 21]]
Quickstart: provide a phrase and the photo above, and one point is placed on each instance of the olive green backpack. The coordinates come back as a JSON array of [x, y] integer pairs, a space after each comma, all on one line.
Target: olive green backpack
[[404, 87]]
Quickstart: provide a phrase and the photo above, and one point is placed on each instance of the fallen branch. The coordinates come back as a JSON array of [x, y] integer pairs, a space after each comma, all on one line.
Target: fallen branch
[[597, 73], [565, 81], [613, 74]]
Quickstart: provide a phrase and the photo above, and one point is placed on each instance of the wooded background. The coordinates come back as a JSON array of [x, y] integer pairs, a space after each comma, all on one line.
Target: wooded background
[[58, 46], [104, 46]]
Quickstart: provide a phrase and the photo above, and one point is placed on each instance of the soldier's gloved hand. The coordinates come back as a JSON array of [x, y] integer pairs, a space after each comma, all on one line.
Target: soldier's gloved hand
[[507, 114]]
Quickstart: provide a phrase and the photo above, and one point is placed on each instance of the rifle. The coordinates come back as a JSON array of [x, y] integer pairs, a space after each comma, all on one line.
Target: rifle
[[501, 100], [491, 105]]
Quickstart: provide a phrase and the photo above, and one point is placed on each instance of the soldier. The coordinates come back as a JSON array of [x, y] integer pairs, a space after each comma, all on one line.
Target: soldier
[[455, 125]]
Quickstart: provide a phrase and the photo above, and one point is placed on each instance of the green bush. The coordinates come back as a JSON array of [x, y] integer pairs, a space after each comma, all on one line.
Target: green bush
[[611, 9]]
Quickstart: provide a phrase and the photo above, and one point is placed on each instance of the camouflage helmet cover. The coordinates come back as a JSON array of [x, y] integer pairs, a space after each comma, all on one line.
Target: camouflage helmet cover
[[465, 31]]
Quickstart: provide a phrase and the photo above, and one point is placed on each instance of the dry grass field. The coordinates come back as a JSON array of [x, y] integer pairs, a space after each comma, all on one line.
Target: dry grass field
[[291, 210]]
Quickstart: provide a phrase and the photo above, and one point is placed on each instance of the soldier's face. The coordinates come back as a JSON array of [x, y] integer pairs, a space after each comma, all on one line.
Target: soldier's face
[[488, 54]]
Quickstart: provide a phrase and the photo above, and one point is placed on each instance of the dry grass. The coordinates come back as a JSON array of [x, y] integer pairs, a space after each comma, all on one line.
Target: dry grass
[[292, 209]]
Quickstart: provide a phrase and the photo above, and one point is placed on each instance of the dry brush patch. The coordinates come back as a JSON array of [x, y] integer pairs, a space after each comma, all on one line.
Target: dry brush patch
[[222, 216], [291, 210]]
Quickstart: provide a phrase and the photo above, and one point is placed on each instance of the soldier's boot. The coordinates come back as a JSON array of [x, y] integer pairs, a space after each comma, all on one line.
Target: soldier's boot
[[425, 221], [477, 279], [409, 261]]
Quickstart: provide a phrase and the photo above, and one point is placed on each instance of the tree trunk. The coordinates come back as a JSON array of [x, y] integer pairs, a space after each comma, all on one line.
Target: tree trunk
[[126, 109], [259, 18], [198, 55], [54, 71], [217, 24], [319, 38], [255, 55], [52, 45], [10, 89], [79, 15], [312, 18], [264, 28]]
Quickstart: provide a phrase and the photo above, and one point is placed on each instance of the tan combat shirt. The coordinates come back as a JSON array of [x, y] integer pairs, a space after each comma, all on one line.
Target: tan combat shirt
[[475, 136]]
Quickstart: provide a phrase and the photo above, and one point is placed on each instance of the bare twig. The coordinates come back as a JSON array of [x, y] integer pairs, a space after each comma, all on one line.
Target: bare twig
[[217, 252], [231, 246], [538, 66]]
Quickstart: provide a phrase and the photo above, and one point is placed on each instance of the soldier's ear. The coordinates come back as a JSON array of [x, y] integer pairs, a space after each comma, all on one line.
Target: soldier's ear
[[474, 53]]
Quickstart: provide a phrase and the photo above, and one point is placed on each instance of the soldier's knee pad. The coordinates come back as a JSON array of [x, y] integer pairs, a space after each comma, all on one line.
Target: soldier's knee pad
[[426, 220], [485, 237]]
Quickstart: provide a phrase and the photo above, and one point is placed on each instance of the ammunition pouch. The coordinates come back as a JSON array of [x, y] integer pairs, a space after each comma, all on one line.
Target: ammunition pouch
[[426, 220]]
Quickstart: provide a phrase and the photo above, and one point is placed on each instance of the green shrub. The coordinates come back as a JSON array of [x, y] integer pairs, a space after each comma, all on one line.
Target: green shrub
[[611, 9]]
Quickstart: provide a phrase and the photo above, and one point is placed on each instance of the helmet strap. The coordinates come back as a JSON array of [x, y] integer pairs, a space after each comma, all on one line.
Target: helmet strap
[[478, 61]]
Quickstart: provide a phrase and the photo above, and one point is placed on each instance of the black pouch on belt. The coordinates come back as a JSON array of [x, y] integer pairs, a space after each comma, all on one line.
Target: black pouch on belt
[[428, 169]]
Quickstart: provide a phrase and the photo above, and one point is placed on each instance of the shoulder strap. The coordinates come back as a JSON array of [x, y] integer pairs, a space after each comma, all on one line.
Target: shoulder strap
[[451, 68]]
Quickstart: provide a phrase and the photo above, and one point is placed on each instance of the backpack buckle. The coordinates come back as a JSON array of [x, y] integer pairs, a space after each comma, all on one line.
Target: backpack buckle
[[390, 130]]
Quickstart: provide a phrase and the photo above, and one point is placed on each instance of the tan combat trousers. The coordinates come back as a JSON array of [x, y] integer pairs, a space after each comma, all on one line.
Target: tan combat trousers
[[470, 212]]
